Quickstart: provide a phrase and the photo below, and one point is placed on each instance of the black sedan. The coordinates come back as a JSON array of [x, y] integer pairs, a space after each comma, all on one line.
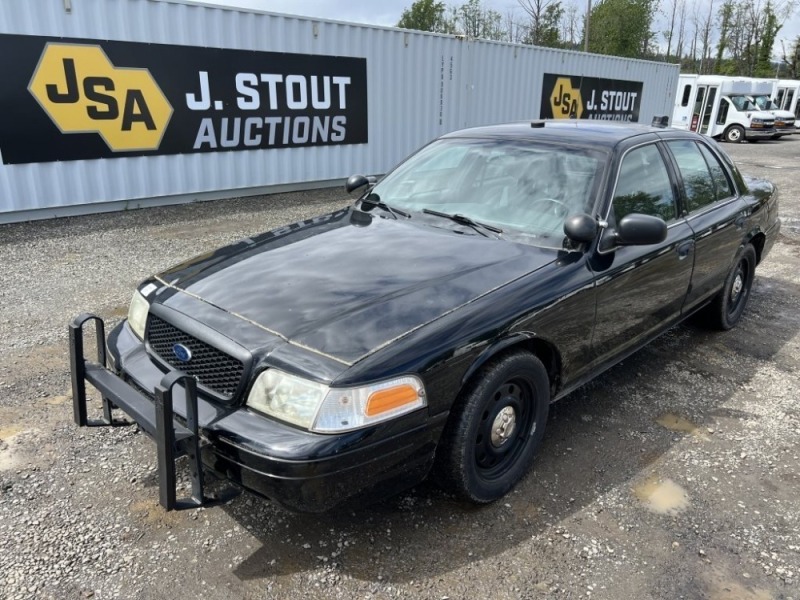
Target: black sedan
[[428, 327]]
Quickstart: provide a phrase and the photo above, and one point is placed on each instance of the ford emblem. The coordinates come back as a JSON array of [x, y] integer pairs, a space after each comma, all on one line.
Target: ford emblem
[[182, 353]]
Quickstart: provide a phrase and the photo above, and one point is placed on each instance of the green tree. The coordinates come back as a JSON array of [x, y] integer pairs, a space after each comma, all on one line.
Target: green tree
[[476, 21], [544, 21], [791, 59], [425, 15], [770, 30], [621, 27], [726, 18]]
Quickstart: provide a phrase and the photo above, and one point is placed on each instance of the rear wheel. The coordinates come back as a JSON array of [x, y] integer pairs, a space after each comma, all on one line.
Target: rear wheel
[[727, 308], [734, 134], [497, 423]]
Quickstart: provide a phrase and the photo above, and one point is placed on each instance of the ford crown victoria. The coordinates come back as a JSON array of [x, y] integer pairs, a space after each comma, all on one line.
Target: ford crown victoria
[[427, 327]]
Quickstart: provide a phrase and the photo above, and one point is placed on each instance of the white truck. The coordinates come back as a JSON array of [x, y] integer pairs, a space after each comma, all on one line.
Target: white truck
[[719, 107], [785, 95], [761, 94]]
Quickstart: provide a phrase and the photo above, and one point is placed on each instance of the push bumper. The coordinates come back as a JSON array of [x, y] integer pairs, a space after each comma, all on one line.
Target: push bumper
[[299, 470]]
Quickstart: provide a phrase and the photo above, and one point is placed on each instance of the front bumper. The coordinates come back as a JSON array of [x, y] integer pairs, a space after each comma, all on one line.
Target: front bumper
[[785, 129], [759, 133], [297, 469]]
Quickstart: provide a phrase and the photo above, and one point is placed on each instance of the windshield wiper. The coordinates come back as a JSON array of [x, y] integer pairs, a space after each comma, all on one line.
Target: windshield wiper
[[374, 200], [465, 220]]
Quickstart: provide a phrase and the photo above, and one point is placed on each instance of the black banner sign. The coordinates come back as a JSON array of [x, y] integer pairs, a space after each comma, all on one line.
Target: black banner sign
[[568, 97], [74, 99]]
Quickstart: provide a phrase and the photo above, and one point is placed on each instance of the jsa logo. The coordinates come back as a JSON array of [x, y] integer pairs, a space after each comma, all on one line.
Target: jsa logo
[[565, 100], [83, 92]]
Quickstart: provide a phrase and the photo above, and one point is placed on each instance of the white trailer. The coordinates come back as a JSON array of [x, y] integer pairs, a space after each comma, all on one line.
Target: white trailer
[[719, 107], [113, 105], [785, 95], [761, 94]]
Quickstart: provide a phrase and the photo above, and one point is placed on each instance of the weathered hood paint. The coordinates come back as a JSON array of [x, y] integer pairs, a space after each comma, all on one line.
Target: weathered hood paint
[[346, 289]]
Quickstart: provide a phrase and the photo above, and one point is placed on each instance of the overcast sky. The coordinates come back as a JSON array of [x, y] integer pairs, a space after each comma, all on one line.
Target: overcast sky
[[387, 12]]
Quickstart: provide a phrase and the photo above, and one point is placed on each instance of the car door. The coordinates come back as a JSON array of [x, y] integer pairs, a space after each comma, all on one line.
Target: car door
[[640, 289], [714, 211]]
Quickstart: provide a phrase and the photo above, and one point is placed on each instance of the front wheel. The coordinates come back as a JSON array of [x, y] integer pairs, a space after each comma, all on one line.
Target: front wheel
[[726, 309], [734, 134], [496, 425]]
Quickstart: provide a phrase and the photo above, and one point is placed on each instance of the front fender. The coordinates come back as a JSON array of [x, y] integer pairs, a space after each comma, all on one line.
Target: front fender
[[544, 350]]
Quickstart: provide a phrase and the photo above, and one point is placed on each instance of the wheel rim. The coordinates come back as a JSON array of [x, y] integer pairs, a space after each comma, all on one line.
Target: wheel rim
[[507, 421], [738, 288], [733, 135]]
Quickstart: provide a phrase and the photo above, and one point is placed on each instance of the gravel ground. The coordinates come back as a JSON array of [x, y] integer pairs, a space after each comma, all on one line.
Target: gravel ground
[[674, 475]]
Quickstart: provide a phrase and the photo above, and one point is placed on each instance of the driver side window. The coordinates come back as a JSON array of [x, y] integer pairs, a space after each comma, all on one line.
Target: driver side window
[[643, 185]]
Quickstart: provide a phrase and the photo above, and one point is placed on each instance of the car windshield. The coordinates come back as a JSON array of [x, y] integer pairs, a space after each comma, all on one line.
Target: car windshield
[[743, 103], [525, 188], [764, 103]]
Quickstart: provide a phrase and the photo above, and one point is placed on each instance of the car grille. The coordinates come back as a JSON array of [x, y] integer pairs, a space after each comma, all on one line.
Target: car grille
[[213, 368]]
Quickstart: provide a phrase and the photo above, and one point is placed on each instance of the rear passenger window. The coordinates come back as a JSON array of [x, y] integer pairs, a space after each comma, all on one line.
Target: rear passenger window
[[643, 185], [686, 91], [697, 182], [723, 185]]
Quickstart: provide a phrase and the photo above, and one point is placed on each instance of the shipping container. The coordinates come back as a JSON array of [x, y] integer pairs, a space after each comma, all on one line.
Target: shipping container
[[109, 105]]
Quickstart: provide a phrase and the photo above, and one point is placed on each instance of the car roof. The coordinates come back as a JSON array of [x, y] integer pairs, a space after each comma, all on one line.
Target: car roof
[[605, 134]]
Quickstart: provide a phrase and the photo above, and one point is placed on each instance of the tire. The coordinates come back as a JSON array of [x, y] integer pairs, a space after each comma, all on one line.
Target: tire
[[727, 307], [734, 134], [496, 425]]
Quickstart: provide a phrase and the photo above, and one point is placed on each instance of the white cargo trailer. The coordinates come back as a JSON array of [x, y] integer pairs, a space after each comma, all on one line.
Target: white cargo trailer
[[719, 107], [111, 105]]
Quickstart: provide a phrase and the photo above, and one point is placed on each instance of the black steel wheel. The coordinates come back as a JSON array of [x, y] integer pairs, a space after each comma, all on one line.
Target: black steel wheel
[[496, 425], [726, 309]]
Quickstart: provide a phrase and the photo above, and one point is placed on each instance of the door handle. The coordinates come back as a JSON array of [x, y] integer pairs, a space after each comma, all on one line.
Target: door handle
[[684, 249]]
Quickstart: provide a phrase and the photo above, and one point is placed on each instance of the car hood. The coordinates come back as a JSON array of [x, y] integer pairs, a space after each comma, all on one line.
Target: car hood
[[783, 115], [345, 285]]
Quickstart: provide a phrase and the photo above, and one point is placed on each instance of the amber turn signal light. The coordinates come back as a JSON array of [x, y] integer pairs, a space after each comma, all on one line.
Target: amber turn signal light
[[390, 399]]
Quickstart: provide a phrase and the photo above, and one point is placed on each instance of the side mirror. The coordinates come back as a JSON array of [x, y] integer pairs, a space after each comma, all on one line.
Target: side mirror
[[640, 230], [355, 182], [581, 228]]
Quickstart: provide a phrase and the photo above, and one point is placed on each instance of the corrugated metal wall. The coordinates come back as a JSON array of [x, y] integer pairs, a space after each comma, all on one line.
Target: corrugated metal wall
[[483, 83]]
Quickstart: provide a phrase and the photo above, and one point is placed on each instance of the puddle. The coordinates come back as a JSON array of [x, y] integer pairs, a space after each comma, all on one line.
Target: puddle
[[679, 424], [664, 497]]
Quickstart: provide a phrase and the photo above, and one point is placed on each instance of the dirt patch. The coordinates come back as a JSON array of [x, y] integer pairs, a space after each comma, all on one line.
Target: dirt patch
[[150, 513]]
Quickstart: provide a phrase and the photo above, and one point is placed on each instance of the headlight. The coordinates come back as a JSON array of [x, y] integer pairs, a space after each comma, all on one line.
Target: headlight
[[323, 409], [137, 314], [287, 397]]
